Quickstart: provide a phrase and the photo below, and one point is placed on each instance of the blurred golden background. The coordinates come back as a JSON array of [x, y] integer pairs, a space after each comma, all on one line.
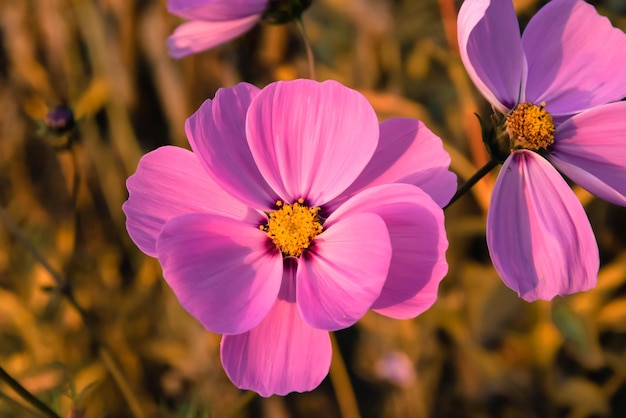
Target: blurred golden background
[[132, 351]]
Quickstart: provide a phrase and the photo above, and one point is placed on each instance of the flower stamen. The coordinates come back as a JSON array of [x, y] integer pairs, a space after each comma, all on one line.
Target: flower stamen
[[292, 227], [530, 127]]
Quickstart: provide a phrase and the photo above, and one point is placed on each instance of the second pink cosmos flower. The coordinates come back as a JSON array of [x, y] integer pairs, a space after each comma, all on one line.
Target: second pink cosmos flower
[[557, 87], [295, 213]]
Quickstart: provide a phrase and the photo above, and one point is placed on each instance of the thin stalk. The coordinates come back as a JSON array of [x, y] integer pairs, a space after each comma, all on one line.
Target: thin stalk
[[465, 187], [26, 395], [75, 182], [63, 287], [121, 382], [307, 46], [341, 382], [15, 230]]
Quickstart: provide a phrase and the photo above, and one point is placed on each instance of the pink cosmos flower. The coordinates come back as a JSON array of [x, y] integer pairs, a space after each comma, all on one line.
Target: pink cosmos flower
[[557, 87], [212, 22], [295, 213]]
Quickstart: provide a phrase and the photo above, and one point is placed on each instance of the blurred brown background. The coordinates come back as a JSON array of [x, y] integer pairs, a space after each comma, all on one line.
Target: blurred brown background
[[134, 352]]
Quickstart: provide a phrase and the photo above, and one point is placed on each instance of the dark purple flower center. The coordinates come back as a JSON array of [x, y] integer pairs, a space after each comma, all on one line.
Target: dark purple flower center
[[293, 226], [530, 127]]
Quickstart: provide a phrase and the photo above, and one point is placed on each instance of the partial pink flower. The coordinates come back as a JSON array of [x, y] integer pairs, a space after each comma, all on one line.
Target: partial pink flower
[[293, 216], [557, 87], [213, 22]]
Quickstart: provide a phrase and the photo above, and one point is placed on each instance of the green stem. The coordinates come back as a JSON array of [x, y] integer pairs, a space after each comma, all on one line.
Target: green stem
[[465, 187], [307, 46], [26, 395]]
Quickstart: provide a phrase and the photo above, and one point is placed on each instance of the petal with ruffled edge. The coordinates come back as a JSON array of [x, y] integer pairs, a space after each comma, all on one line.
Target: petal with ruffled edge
[[539, 237], [169, 182], [217, 135], [282, 354], [418, 242], [216, 10], [311, 140], [590, 149], [343, 271], [408, 152], [491, 50], [575, 57], [200, 35], [222, 271]]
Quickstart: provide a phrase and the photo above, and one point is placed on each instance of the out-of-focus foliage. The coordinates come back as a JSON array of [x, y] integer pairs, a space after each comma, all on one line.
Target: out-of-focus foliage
[[479, 352]]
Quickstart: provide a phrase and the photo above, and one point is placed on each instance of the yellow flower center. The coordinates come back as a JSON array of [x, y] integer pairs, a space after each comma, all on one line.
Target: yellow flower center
[[293, 227], [530, 127]]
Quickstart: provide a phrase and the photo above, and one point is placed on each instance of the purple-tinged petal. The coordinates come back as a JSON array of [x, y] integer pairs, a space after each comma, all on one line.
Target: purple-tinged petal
[[282, 354], [590, 149], [408, 152], [418, 241], [216, 10], [222, 270], [311, 140], [343, 272], [576, 59], [217, 135], [199, 35], [169, 182], [539, 237], [491, 50]]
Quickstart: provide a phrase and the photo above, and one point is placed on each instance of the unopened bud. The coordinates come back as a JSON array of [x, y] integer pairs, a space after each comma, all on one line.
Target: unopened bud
[[60, 120]]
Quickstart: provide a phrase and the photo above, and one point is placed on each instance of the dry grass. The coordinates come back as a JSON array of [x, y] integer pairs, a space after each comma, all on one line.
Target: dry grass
[[479, 352]]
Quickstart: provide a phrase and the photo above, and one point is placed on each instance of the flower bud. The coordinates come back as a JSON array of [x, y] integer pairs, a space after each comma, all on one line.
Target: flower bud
[[60, 119]]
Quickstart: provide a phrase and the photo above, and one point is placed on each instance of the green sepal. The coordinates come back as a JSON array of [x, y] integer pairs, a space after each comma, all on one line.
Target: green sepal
[[491, 135]]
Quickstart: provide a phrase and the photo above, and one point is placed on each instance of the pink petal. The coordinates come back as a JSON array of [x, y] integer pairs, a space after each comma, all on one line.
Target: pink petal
[[311, 140], [281, 355], [222, 271], [590, 149], [344, 271], [418, 241], [170, 182], [538, 235], [217, 135], [576, 59], [408, 152], [491, 50], [199, 35], [216, 10]]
